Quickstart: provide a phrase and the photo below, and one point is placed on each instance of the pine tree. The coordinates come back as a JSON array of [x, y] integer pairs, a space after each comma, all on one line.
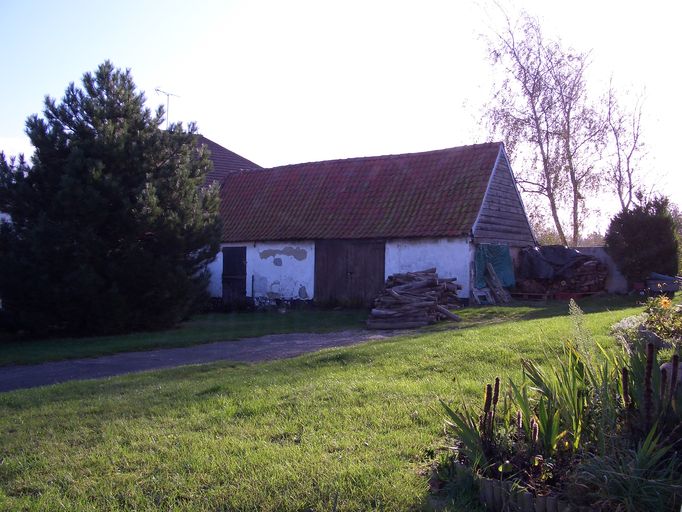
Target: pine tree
[[111, 226]]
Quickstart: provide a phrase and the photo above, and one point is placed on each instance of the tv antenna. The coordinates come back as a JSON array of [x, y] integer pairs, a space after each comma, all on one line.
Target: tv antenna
[[168, 95]]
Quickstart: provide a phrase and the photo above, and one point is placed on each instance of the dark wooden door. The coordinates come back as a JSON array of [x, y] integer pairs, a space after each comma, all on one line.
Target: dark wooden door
[[234, 275], [348, 272]]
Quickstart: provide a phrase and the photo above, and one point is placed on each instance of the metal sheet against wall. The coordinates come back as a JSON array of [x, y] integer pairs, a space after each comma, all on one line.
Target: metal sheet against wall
[[349, 272]]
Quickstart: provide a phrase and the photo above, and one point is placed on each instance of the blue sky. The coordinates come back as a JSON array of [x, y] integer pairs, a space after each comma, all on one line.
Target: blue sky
[[300, 80]]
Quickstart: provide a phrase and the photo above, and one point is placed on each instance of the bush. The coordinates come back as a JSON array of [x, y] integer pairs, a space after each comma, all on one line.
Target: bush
[[644, 240]]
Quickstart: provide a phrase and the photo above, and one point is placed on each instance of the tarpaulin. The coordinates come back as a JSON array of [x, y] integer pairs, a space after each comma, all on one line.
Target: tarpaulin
[[550, 262], [500, 258]]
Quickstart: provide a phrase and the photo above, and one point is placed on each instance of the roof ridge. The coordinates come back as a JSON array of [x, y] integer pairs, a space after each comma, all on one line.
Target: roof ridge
[[374, 157]]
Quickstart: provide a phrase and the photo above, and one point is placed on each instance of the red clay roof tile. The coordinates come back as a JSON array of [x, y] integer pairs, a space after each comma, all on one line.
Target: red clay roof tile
[[432, 194]]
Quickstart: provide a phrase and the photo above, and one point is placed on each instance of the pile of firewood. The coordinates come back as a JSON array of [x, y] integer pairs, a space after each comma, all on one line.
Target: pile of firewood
[[588, 277], [554, 270], [414, 299]]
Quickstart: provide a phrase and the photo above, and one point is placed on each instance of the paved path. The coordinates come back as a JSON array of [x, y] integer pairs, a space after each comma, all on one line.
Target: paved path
[[264, 348]]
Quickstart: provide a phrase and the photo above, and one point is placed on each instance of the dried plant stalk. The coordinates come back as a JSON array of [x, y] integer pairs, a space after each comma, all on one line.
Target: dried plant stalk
[[488, 398], [496, 398], [648, 389], [535, 432], [674, 375]]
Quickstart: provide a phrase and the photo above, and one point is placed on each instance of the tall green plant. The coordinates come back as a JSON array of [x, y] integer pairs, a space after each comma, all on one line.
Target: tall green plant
[[653, 397], [564, 391], [467, 427], [629, 479]]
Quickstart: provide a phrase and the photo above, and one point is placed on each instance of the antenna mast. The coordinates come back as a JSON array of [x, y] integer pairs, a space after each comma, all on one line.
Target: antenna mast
[[168, 95]]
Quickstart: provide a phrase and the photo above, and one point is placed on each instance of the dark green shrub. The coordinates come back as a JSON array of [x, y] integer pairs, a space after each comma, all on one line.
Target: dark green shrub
[[644, 240]]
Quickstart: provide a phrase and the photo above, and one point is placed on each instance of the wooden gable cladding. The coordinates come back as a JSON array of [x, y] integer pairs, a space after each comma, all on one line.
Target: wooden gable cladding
[[502, 217]]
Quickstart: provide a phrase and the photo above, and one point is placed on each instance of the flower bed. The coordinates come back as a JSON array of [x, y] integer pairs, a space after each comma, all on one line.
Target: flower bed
[[596, 433]]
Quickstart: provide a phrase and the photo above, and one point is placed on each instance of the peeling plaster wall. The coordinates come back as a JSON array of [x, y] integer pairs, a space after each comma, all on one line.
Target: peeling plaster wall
[[273, 269], [450, 256], [281, 270]]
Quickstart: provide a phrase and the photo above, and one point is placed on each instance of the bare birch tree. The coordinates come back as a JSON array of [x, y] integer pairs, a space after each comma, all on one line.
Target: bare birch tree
[[626, 147], [544, 114]]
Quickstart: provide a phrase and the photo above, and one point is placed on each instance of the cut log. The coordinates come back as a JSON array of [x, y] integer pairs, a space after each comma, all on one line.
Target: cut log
[[448, 313]]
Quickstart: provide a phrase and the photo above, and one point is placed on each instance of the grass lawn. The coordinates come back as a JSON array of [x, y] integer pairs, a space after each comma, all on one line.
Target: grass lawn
[[345, 429], [200, 329]]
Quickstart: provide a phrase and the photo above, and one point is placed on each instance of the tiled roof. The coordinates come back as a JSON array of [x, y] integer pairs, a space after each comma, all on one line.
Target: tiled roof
[[224, 160], [432, 194]]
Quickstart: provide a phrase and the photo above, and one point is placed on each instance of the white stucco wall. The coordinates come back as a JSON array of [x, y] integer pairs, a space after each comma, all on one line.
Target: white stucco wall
[[215, 285], [450, 256], [273, 269]]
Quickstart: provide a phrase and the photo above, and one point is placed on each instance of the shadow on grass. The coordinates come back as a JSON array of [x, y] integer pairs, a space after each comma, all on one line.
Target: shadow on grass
[[533, 310]]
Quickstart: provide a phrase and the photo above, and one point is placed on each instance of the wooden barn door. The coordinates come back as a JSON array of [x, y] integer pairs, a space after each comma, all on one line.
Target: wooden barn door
[[349, 272], [234, 275]]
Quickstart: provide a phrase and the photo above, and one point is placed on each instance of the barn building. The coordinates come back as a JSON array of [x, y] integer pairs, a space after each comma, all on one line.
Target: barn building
[[333, 231]]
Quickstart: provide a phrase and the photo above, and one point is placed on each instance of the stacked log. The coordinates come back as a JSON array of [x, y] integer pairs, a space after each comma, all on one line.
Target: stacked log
[[414, 299], [588, 277]]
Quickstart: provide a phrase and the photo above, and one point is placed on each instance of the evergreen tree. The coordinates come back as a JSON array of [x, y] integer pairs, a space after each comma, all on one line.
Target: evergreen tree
[[111, 226], [643, 239]]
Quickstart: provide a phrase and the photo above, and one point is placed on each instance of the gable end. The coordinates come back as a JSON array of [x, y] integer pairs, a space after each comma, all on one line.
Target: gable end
[[502, 217]]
